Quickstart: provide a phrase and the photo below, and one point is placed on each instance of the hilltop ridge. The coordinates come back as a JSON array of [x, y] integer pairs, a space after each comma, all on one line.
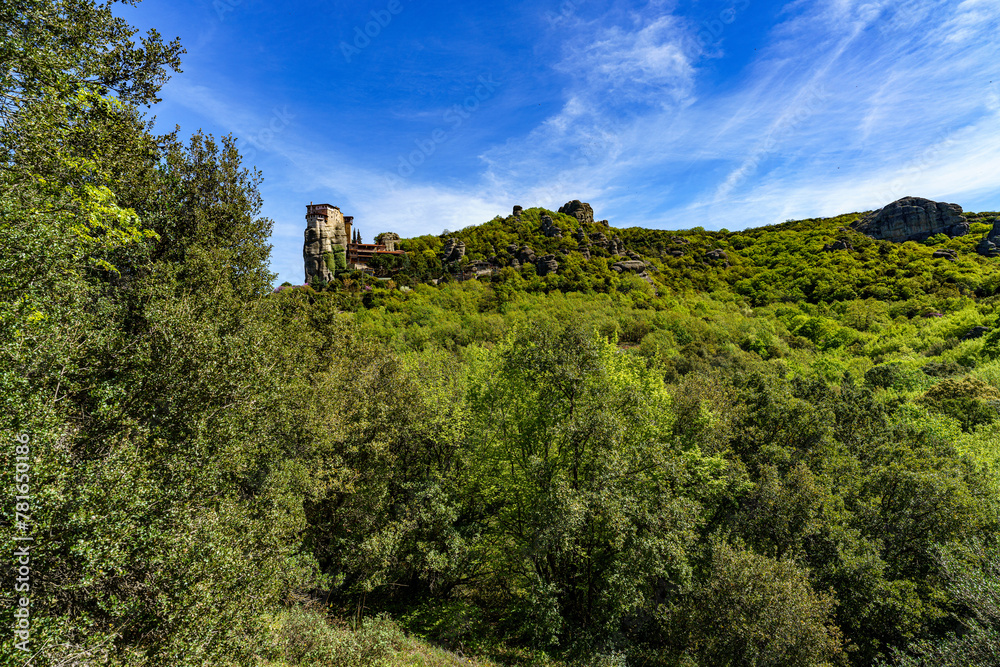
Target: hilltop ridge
[[816, 259]]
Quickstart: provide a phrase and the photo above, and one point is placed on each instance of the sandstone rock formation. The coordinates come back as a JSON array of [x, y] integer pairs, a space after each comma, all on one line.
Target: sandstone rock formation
[[717, 256], [389, 239], [990, 245], [549, 227], [525, 255], [546, 265], [325, 230], [914, 219], [629, 265], [453, 251], [839, 244], [579, 210]]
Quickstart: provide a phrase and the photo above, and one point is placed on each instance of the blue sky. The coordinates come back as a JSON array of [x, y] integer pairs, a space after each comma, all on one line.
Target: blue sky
[[417, 116]]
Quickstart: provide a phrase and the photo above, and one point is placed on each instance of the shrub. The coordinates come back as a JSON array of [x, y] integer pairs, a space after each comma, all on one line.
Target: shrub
[[304, 636], [892, 375], [754, 610], [969, 400]]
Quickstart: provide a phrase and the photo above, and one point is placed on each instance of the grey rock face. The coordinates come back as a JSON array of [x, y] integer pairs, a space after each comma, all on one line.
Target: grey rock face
[[453, 251], [517, 211], [990, 245], [840, 244], [914, 219], [549, 228], [526, 255], [324, 230], [389, 239], [949, 255], [547, 265], [579, 210], [717, 257], [629, 265]]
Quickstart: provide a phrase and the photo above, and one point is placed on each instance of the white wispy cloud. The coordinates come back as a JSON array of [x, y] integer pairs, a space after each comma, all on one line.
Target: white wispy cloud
[[848, 103]]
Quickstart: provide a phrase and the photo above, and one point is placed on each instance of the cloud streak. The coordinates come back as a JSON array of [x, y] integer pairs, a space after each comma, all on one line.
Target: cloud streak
[[840, 106]]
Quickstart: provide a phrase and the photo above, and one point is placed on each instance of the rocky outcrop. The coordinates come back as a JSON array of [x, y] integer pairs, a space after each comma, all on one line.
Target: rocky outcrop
[[549, 228], [629, 265], [990, 245], [325, 231], [717, 257], [613, 246], [526, 255], [949, 255], [546, 265], [453, 251], [839, 244], [582, 211], [518, 211], [389, 239], [914, 219]]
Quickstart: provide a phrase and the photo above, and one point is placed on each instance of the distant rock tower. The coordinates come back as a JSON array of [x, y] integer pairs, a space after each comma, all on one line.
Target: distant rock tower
[[326, 227]]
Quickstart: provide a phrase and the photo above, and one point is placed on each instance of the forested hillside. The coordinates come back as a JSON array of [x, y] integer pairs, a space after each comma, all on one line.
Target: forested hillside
[[756, 451]]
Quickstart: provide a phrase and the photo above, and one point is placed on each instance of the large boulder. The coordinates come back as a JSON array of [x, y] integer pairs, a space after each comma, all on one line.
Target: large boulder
[[914, 219], [839, 244], [629, 265], [389, 239], [582, 211], [526, 255], [990, 245], [547, 265], [549, 228]]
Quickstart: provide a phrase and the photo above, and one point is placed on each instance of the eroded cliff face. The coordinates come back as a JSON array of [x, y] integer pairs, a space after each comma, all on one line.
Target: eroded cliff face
[[325, 229], [914, 219], [579, 210], [990, 245]]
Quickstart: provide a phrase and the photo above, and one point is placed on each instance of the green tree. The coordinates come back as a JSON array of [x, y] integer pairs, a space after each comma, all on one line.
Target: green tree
[[571, 449]]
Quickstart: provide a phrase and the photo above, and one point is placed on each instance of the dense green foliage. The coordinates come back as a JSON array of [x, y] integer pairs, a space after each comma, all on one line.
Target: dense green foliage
[[789, 460]]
